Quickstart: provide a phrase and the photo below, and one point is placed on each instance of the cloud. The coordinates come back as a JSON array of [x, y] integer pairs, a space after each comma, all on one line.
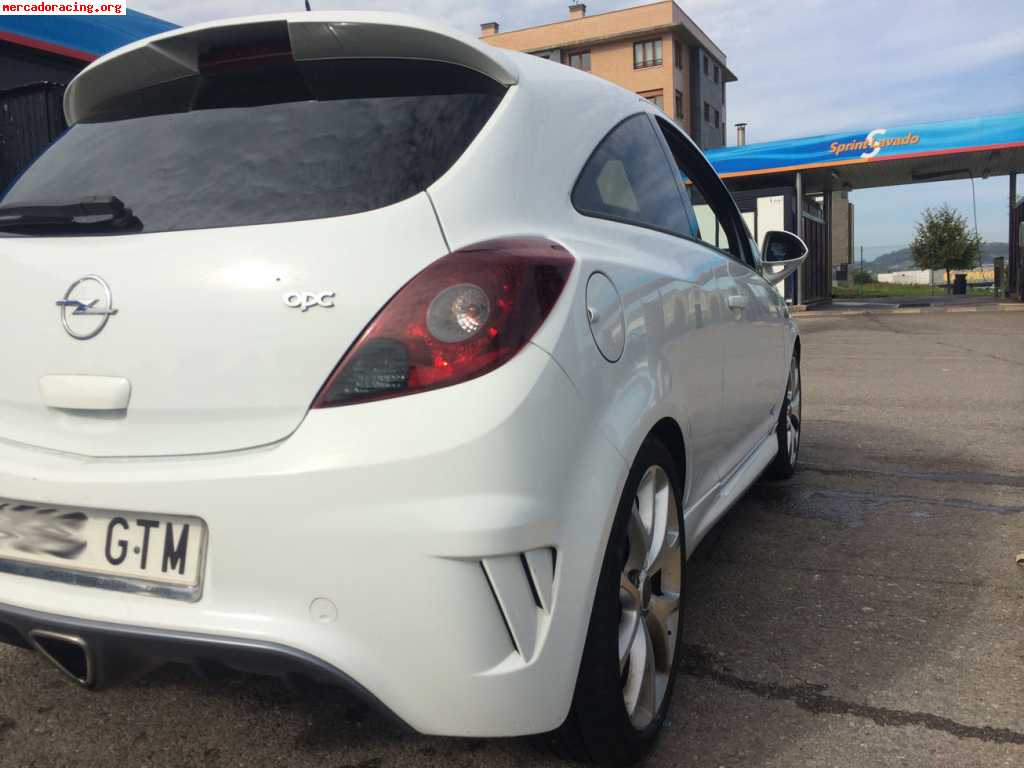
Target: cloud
[[810, 67], [885, 218]]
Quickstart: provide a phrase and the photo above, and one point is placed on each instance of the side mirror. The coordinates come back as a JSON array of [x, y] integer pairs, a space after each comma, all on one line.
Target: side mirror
[[781, 254]]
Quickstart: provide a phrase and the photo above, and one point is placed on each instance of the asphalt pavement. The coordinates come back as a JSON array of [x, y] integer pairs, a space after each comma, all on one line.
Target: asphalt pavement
[[866, 613]]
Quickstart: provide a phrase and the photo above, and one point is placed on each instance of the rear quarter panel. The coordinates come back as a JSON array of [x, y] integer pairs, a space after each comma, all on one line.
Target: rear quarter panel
[[516, 179]]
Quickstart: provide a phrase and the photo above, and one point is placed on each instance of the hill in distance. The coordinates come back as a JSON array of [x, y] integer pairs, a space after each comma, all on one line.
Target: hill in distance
[[895, 261]]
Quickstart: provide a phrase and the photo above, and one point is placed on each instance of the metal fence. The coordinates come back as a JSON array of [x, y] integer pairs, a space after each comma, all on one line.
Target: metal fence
[[816, 273], [1015, 283], [31, 117]]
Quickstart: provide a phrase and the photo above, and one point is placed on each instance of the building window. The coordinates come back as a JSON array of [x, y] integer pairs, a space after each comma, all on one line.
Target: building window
[[718, 73], [646, 54], [677, 49], [707, 112], [718, 119], [656, 98], [679, 107], [579, 60], [705, 64]]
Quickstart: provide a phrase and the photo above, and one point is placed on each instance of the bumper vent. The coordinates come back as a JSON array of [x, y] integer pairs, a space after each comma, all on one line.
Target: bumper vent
[[523, 587]]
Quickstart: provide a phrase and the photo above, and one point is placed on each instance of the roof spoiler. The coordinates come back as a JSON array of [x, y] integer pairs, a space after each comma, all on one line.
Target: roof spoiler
[[312, 36]]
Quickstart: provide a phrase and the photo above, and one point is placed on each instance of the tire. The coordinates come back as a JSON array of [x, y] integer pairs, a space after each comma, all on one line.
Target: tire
[[787, 431], [620, 701]]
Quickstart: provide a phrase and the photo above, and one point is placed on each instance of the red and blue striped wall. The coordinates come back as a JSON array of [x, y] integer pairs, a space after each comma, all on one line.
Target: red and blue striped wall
[[82, 38]]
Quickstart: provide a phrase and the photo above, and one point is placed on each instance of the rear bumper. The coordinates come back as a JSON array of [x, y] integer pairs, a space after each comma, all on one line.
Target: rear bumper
[[455, 536], [118, 653]]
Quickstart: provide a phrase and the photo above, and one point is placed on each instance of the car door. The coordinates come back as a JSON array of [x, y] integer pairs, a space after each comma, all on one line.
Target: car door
[[694, 321], [751, 334], [754, 346]]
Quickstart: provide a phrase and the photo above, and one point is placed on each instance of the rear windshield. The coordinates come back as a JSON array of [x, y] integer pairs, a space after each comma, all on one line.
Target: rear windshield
[[298, 141]]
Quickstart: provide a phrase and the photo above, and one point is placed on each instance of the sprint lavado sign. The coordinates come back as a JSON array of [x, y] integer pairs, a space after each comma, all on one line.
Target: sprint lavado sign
[[873, 143]]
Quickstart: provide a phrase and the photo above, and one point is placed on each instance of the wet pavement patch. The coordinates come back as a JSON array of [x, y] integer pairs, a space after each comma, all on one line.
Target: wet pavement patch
[[699, 662], [963, 478], [848, 508]]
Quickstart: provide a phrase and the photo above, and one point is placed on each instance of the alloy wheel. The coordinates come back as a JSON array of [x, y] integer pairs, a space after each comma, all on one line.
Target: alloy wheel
[[649, 597], [793, 412]]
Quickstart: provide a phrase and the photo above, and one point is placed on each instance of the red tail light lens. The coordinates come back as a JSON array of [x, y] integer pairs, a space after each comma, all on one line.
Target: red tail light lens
[[246, 57], [461, 317]]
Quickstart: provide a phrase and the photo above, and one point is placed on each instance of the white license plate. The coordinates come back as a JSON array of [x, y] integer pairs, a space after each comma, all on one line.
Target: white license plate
[[121, 548]]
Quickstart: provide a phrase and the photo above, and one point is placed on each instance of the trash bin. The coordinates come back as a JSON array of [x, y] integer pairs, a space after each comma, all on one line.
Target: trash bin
[[960, 285]]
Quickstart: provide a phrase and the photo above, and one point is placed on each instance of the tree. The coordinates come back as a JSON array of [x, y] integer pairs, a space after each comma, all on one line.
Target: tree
[[862, 277], [942, 240]]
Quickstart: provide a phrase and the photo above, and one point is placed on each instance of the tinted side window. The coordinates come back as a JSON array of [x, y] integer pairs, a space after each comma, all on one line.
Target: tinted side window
[[718, 222], [629, 179]]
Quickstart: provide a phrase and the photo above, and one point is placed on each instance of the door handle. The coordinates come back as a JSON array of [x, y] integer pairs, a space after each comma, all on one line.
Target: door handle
[[737, 301]]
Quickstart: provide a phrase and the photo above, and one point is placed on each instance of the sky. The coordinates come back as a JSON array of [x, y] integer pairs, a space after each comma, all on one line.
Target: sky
[[805, 67]]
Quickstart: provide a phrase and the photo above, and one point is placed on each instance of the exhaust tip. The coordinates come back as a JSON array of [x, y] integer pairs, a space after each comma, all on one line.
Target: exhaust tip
[[68, 653]]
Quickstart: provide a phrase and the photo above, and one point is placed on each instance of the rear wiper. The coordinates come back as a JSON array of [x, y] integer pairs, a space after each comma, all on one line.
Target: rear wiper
[[87, 212]]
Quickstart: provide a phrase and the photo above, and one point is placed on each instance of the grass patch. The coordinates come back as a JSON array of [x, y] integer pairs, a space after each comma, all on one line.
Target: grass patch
[[891, 291], [885, 291]]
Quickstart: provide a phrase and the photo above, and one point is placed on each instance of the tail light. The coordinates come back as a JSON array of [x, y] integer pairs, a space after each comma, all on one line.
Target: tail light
[[461, 317], [246, 57]]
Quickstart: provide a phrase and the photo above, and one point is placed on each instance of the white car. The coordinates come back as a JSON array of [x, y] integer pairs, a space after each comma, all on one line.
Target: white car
[[343, 345]]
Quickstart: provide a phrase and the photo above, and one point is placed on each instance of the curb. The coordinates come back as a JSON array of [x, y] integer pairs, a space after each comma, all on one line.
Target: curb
[[907, 310]]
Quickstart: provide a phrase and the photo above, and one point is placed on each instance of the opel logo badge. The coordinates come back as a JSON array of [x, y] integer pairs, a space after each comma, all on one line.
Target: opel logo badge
[[86, 307]]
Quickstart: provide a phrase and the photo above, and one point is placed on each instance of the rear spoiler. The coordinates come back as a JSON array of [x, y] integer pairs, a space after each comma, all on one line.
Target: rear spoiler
[[312, 36]]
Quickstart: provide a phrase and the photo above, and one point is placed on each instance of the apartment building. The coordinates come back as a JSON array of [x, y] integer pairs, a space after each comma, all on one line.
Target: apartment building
[[655, 50]]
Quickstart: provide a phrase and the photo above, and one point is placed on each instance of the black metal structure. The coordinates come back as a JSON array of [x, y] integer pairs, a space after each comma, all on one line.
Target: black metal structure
[[1015, 282], [22, 65], [31, 117], [816, 273]]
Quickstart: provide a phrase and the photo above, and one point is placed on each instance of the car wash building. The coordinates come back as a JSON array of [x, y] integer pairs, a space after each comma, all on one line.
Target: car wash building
[[38, 56], [802, 184]]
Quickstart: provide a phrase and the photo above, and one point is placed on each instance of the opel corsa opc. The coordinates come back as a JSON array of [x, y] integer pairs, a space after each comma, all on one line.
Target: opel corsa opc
[[342, 345]]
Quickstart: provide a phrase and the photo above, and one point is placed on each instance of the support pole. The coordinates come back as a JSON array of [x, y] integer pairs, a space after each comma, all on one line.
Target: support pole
[[799, 183], [826, 200], [1014, 284]]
